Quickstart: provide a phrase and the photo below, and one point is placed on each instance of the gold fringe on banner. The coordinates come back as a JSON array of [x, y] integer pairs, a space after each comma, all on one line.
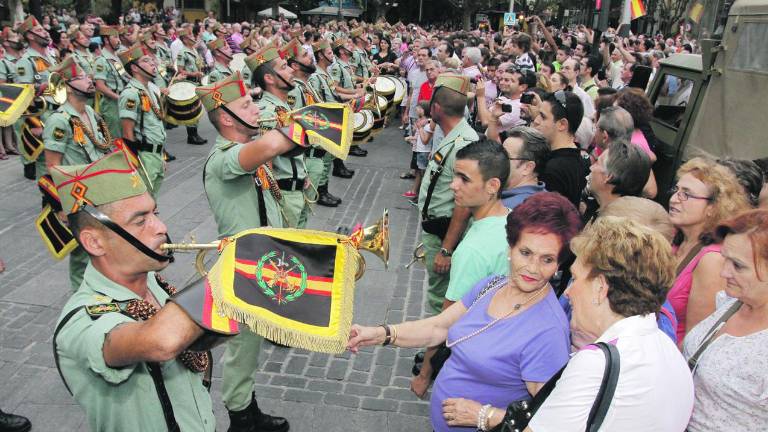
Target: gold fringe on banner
[[331, 339]]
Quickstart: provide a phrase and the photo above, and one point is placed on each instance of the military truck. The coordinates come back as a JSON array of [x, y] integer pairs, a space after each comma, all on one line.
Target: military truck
[[715, 103]]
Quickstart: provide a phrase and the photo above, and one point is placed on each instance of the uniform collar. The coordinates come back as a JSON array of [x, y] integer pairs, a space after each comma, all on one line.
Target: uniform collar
[[269, 97], [100, 284], [224, 143], [457, 130]]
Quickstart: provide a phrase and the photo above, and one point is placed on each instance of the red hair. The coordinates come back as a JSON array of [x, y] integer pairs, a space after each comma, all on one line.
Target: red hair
[[753, 223], [545, 213]]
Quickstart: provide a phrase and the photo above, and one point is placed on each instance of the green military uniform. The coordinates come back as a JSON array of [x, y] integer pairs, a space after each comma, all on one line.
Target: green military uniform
[[64, 133], [84, 59], [321, 82], [235, 196], [189, 60], [219, 72], [442, 201], [317, 161], [117, 398], [360, 62], [106, 70], [33, 68], [290, 172], [339, 71], [7, 68], [163, 54]]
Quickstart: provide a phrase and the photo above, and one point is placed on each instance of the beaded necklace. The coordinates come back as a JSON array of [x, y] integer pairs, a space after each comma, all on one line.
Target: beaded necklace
[[143, 310], [514, 310], [146, 104], [104, 145]]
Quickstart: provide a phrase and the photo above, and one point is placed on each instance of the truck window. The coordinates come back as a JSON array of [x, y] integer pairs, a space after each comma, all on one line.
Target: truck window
[[750, 54], [672, 100]]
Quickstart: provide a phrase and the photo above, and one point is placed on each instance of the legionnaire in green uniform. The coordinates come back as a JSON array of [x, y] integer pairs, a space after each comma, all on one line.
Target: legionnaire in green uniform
[[324, 86], [109, 80], [272, 74], [32, 68], [346, 72], [82, 56], [140, 115], [127, 37], [75, 135], [302, 95], [190, 67], [443, 223], [362, 65], [222, 55], [340, 72], [154, 39], [240, 193], [120, 348], [12, 47]]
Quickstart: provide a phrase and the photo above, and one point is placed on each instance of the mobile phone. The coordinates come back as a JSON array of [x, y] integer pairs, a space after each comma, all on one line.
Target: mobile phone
[[506, 108], [526, 98]]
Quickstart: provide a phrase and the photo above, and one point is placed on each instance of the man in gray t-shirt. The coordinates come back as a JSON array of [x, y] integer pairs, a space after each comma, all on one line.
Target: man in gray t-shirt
[[417, 77]]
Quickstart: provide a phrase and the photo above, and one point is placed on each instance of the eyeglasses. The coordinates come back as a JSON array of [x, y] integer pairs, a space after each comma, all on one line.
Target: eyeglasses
[[685, 196]]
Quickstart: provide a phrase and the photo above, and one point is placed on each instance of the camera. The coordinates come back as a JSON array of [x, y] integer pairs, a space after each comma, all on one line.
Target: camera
[[526, 98], [506, 108]]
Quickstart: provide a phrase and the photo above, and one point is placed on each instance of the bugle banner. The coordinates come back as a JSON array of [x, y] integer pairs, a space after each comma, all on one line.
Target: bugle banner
[[295, 287], [328, 125]]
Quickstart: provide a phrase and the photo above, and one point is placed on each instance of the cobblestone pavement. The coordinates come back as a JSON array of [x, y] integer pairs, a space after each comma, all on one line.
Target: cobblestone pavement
[[316, 392]]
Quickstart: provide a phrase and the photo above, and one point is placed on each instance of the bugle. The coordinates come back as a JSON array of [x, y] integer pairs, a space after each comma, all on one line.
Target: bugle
[[374, 239]]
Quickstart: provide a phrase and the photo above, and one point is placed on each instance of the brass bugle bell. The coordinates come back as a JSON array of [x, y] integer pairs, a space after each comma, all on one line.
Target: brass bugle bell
[[56, 90], [418, 255], [374, 239]]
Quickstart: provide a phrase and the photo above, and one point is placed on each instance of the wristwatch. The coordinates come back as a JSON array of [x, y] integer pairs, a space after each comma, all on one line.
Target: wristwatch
[[445, 252]]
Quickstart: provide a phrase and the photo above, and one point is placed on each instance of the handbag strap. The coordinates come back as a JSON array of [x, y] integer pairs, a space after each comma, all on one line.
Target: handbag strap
[[433, 182], [712, 333], [607, 387], [688, 258]]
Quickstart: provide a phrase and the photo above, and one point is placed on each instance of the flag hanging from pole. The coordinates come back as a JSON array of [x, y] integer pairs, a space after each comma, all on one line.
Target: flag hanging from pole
[[294, 287], [637, 8]]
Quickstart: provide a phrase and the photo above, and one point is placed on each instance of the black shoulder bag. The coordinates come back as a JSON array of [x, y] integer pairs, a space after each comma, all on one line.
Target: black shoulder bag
[[520, 412], [435, 225]]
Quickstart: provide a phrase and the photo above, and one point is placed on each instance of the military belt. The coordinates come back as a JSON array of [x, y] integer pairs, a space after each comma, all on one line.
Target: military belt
[[290, 184]]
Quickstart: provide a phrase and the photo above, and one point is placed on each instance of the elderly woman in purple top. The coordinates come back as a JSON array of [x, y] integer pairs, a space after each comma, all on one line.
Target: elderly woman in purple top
[[508, 335]]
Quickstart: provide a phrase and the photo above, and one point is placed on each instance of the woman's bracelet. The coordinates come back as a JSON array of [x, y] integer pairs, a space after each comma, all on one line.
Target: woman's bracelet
[[394, 334], [482, 417], [488, 418]]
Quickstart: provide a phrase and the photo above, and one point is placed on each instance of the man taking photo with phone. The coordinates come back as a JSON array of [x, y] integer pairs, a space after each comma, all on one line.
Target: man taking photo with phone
[[504, 114]]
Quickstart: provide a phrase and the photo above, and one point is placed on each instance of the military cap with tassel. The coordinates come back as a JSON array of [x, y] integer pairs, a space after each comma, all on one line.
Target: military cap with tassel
[[222, 92], [133, 53], [261, 57]]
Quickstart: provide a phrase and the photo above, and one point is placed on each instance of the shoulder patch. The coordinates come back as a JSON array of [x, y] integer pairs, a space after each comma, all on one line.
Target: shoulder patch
[[95, 311], [59, 133], [21, 70], [291, 99], [130, 104], [99, 67]]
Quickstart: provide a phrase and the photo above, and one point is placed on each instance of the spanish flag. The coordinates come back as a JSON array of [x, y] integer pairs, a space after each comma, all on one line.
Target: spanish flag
[[637, 8], [294, 287], [327, 125]]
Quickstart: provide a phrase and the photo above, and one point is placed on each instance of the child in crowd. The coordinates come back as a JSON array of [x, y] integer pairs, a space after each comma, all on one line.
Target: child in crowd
[[422, 146]]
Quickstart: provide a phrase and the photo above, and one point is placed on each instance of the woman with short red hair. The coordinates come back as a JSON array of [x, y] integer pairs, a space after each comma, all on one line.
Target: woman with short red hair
[[508, 335]]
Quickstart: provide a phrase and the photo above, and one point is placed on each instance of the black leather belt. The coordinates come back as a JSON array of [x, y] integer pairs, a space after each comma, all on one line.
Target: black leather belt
[[146, 147], [290, 184], [315, 152]]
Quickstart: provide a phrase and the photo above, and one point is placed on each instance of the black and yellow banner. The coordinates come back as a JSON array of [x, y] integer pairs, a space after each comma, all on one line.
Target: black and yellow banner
[[56, 236], [328, 125], [294, 287], [14, 100]]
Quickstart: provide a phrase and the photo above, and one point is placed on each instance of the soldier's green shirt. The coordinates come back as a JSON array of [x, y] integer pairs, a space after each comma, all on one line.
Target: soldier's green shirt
[[58, 136], [105, 70], [300, 95], [219, 72], [361, 63], [7, 68], [322, 83], [85, 60], [163, 53], [189, 60], [284, 167], [232, 193], [340, 72], [124, 398], [27, 70], [441, 203], [130, 108]]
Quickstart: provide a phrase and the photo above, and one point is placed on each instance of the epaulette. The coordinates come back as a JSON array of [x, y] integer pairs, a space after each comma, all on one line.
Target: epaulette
[[227, 146], [96, 311]]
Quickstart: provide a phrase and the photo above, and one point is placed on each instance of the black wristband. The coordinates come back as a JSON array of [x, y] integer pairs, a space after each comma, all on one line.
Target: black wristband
[[387, 335]]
